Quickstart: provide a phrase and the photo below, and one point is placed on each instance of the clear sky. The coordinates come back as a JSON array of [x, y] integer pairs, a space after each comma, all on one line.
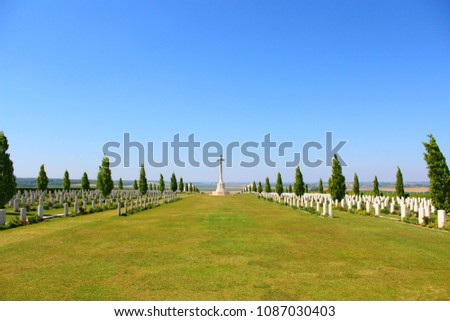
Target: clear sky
[[77, 74]]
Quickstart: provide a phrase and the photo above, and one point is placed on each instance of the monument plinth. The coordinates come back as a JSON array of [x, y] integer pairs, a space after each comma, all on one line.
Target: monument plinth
[[220, 190]]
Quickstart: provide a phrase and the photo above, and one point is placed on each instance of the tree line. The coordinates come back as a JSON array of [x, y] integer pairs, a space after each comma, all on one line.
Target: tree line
[[438, 173]]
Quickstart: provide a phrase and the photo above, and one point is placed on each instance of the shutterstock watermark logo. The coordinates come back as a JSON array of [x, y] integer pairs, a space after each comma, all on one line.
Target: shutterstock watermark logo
[[255, 153]]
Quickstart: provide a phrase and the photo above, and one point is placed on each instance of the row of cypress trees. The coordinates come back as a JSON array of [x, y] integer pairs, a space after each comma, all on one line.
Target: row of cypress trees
[[438, 173], [105, 183], [336, 183]]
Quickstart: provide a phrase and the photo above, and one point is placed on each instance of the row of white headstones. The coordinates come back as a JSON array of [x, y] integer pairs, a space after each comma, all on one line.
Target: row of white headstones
[[131, 199], [323, 204]]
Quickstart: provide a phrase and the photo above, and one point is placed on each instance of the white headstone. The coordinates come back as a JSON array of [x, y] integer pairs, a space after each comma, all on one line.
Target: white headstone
[[23, 214], [66, 209], [2, 217], [402, 211], [427, 211], [41, 211], [421, 215], [441, 218]]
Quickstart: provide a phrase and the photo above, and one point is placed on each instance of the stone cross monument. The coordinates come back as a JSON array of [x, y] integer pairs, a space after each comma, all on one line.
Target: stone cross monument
[[220, 190]]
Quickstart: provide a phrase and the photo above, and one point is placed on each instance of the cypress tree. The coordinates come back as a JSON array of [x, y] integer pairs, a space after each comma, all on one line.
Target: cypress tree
[[376, 189], [173, 183], [150, 185], [120, 184], [399, 189], [337, 185], [267, 187], [320, 188], [66, 181], [42, 179], [299, 185], [306, 188], [105, 183], [254, 189], [190, 188], [439, 175], [7, 178], [135, 185], [162, 185], [181, 185], [143, 183], [355, 184], [85, 184], [260, 189], [279, 184]]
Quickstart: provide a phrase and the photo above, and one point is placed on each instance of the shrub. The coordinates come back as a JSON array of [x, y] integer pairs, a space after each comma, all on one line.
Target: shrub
[[34, 219], [411, 220], [15, 222], [358, 212], [47, 205]]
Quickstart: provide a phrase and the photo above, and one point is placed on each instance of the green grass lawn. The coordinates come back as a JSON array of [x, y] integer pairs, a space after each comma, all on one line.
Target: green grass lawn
[[224, 248]]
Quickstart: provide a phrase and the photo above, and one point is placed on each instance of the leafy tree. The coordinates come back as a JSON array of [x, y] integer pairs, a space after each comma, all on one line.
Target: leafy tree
[[66, 181], [254, 188], [260, 189], [267, 187], [120, 184], [173, 183], [336, 185], [42, 179], [7, 178], [279, 184], [320, 188], [181, 185], [85, 184], [105, 183], [143, 183], [439, 175], [135, 185], [162, 185], [399, 189], [376, 189], [355, 184], [299, 185]]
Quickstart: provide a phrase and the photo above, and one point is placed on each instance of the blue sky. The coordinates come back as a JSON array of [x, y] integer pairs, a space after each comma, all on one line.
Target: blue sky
[[75, 75]]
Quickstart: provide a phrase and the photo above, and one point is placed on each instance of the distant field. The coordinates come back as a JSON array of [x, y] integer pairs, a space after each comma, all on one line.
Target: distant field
[[224, 248], [392, 189]]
